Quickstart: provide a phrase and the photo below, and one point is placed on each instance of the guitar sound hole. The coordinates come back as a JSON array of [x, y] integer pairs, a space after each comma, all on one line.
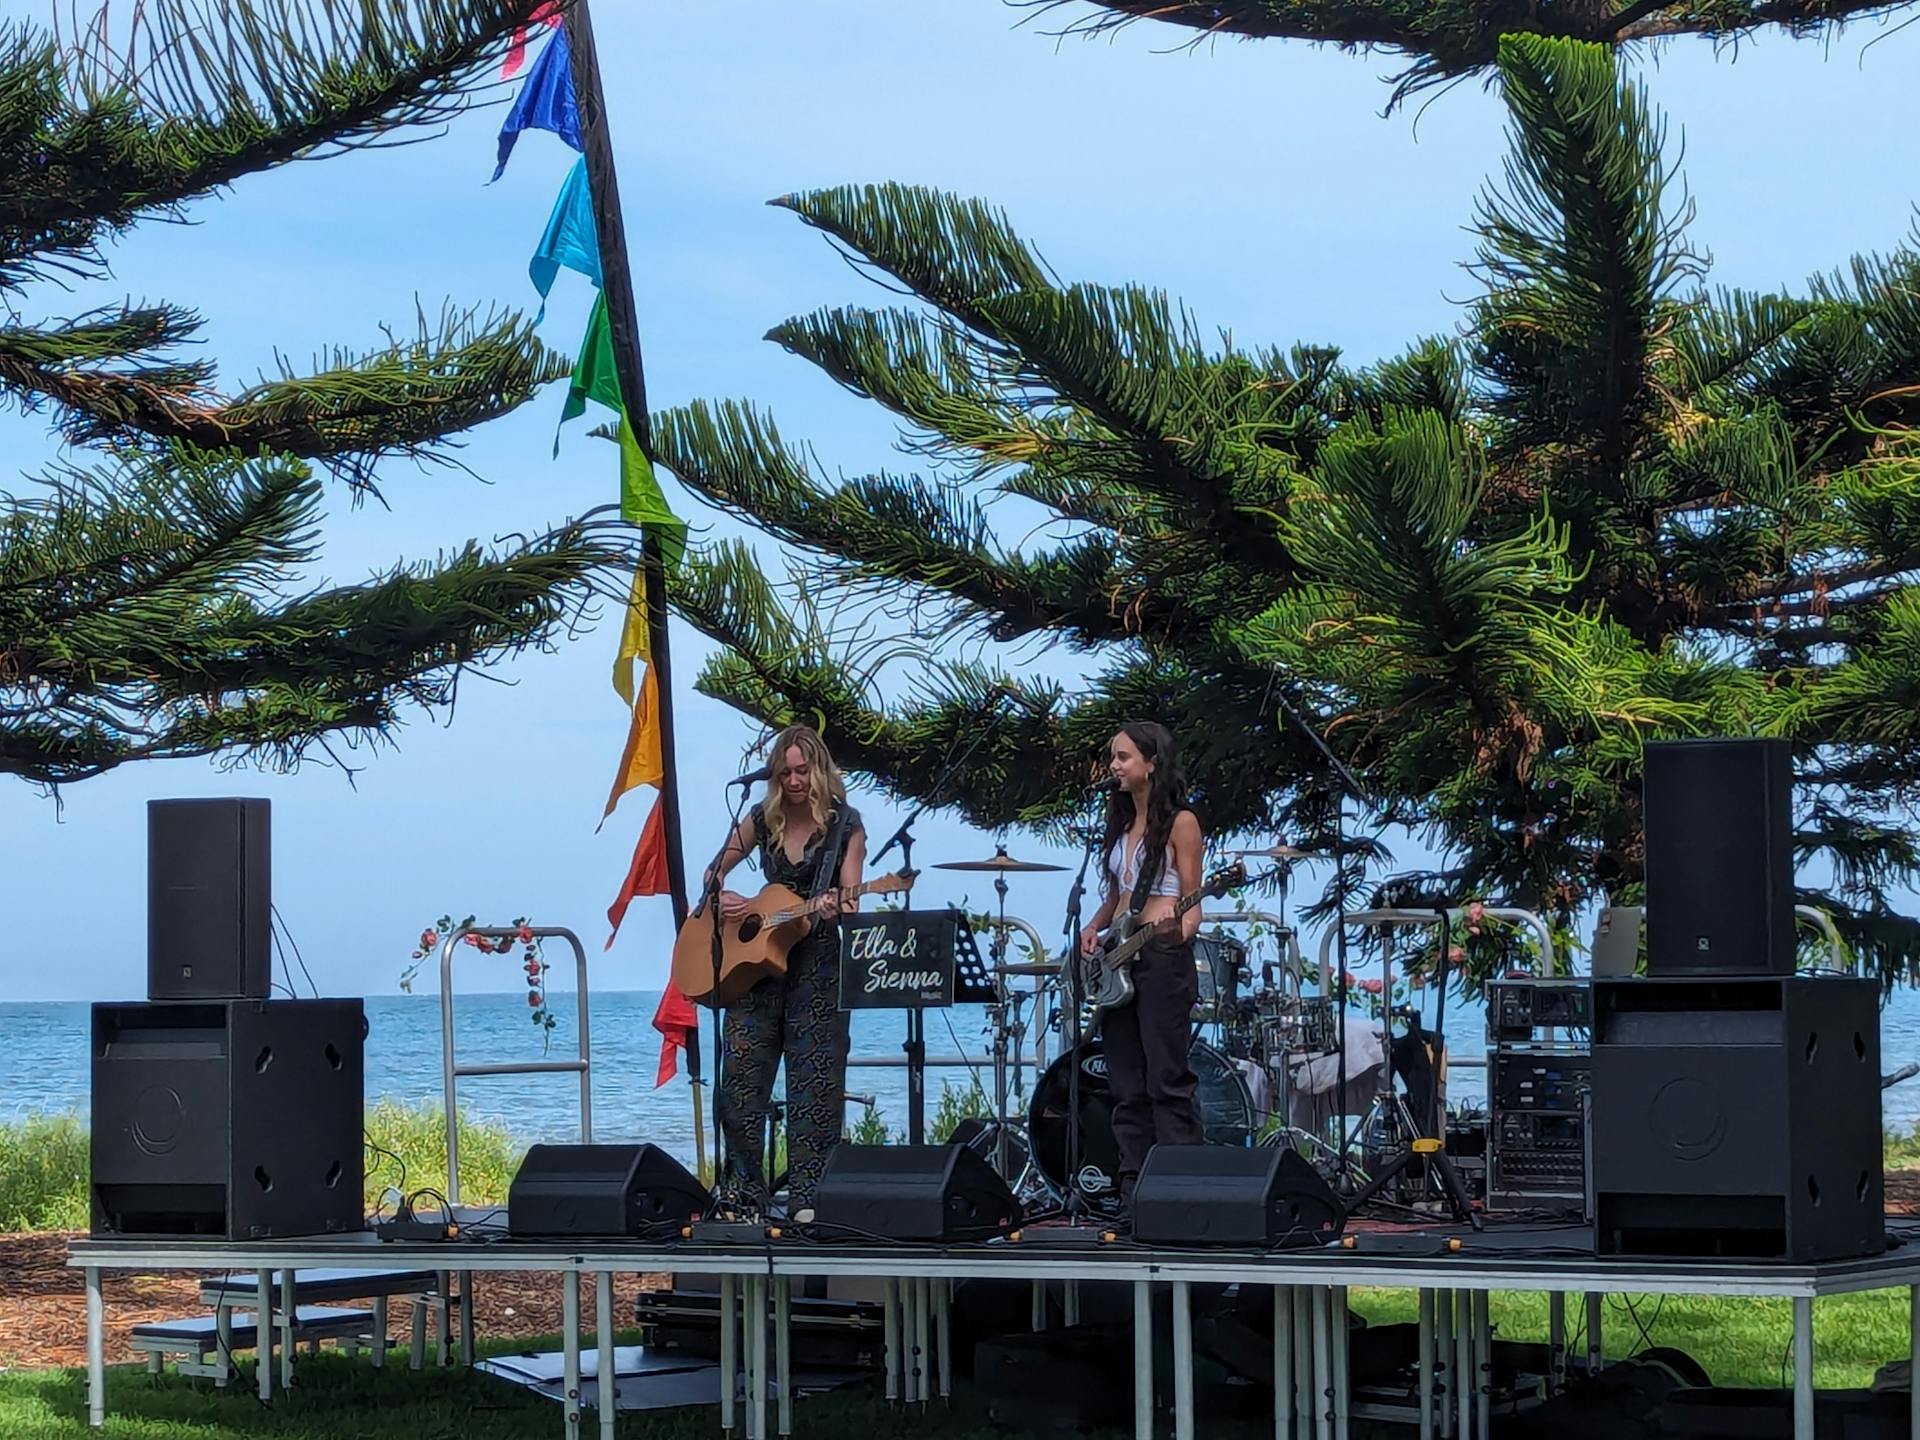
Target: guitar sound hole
[[749, 927]]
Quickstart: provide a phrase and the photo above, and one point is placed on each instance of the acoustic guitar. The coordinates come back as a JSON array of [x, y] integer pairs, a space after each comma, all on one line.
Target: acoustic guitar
[[754, 944]]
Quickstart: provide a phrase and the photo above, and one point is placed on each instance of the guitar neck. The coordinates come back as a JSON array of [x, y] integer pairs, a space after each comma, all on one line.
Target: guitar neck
[[781, 917]]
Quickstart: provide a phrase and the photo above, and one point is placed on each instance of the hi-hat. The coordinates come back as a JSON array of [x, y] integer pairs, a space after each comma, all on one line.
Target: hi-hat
[[1002, 861], [1276, 852]]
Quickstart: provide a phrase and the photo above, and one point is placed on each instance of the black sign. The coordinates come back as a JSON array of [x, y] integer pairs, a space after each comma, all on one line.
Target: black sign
[[897, 960]]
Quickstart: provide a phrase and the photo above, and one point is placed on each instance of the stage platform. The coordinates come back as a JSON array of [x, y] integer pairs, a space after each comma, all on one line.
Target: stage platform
[[1309, 1295]]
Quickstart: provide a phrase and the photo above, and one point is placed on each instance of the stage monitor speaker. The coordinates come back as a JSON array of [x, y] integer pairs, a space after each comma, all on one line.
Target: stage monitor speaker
[[1265, 1196], [1719, 857], [913, 1192], [234, 1119], [209, 900], [1737, 1118], [626, 1192]]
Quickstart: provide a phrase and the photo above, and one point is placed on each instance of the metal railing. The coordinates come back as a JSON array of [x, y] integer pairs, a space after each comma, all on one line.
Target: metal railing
[[1383, 919], [451, 1071]]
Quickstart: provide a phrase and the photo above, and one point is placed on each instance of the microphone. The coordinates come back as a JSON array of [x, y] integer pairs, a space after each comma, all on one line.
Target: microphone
[[753, 777]]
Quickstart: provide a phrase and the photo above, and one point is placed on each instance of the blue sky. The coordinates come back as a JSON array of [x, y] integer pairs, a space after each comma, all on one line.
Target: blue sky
[[1258, 183]]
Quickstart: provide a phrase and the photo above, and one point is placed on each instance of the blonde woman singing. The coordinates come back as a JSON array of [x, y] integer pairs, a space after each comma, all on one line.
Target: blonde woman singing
[[808, 838]]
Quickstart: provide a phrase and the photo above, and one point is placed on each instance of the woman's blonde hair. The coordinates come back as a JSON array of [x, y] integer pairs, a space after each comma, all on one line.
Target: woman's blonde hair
[[825, 787]]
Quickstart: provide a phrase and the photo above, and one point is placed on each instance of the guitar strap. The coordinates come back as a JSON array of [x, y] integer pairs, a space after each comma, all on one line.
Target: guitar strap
[[830, 855]]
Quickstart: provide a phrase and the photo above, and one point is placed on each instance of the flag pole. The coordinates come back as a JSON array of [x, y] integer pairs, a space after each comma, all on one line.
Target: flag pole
[[616, 278]]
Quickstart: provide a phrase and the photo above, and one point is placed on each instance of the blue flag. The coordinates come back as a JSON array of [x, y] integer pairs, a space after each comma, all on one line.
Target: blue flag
[[571, 241], [545, 102]]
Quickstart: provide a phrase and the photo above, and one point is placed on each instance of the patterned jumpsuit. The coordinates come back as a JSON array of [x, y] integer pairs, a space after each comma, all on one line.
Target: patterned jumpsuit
[[796, 1016]]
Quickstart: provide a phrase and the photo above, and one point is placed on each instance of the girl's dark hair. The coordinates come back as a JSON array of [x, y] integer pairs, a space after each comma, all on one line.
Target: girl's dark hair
[[1166, 797]]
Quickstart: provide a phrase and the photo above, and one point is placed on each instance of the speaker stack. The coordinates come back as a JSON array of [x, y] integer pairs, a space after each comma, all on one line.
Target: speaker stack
[[1736, 1105], [217, 1111]]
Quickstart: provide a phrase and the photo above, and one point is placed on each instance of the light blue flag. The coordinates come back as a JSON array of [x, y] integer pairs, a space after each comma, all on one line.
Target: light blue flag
[[571, 241]]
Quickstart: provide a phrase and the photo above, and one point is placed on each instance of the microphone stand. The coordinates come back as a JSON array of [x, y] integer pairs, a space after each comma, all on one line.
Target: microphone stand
[[916, 1046], [1077, 1206], [710, 902], [1349, 786]]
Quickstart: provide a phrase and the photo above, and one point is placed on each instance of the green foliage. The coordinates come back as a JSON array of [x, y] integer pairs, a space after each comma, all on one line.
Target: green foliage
[[413, 1139], [44, 1162], [1446, 39], [1619, 506], [155, 599]]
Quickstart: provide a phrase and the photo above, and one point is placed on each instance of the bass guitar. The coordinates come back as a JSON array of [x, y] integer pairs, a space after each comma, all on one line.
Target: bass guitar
[[1106, 976], [754, 944]]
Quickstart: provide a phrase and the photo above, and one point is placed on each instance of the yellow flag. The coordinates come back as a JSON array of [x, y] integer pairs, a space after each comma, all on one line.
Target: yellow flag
[[636, 640]]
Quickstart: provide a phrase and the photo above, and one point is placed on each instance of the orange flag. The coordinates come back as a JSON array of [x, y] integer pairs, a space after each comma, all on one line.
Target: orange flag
[[648, 873], [643, 762]]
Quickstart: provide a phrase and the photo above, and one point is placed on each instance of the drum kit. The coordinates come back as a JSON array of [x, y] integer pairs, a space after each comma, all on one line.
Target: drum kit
[[1244, 1034]]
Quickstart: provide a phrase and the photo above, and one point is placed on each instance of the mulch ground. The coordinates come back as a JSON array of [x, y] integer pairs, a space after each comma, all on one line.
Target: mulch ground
[[43, 1304]]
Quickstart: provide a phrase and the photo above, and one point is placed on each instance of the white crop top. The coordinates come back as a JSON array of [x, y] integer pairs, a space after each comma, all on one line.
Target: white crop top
[[1123, 864]]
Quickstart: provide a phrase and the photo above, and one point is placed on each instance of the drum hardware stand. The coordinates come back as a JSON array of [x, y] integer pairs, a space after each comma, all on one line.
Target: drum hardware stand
[[916, 1044]]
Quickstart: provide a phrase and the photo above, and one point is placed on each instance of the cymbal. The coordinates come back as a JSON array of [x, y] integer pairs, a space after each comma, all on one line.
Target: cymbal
[[1276, 852], [1029, 967], [999, 862]]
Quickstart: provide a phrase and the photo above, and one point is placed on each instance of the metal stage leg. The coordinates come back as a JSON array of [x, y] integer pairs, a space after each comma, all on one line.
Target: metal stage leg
[[1342, 1394], [891, 1303], [263, 1332], [1070, 1301], [570, 1343], [1483, 1363], [287, 1316], [729, 1363], [607, 1385], [1143, 1357], [1802, 1367], [443, 1321], [97, 1348], [1594, 1353], [783, 1350], [1182, 1362], [1283, 1382], [1322, 1367], [223, 1336], [466, 1318], [1443, 1359], [943, 1333], [1425, 1365], [379, 1331], [1463, 1363], [909, 1360], [1303, 1396], [757, 1348], [417, 1327], [1039, 1305], [922, 1346], [1556, 1342]]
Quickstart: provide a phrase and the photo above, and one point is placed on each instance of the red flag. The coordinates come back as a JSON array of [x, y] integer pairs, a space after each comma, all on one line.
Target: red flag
[[517, 52], [676, 1022], [648, 873]]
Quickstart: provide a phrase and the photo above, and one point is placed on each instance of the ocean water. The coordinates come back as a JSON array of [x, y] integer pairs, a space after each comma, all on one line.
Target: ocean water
[[45, 1069]]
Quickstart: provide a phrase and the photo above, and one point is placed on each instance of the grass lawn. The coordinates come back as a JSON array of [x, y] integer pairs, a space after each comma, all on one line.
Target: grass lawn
[[1740, 1342]]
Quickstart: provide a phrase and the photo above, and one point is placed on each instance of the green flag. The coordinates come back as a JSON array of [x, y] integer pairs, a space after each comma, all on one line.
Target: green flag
[[595, 376], [641, 502]]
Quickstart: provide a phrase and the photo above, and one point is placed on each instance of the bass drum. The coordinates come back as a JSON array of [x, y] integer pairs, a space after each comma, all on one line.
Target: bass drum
[[1226, 1113]]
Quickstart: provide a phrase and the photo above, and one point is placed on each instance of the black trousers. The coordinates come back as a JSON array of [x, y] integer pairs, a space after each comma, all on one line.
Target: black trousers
[[1147, 1044]]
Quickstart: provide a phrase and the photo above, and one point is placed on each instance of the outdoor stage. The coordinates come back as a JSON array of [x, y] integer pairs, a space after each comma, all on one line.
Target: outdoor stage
[[1309, 1298]]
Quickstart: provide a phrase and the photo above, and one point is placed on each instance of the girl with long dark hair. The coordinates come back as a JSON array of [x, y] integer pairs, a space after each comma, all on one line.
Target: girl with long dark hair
[[1152, 851]]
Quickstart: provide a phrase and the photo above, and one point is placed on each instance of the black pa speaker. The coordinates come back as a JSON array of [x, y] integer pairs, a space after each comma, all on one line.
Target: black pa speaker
[[236, 1119], [1265, 1196], [625, 1192], [913, 1192], [1737, 1118], [209, 899], [1719, 822]]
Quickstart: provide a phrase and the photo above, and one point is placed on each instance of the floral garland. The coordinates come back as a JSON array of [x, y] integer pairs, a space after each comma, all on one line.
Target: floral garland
[[533, 957]]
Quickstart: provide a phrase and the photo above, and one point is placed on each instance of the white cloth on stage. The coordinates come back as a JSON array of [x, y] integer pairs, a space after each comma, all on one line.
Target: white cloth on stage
[[1318, 1074]]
